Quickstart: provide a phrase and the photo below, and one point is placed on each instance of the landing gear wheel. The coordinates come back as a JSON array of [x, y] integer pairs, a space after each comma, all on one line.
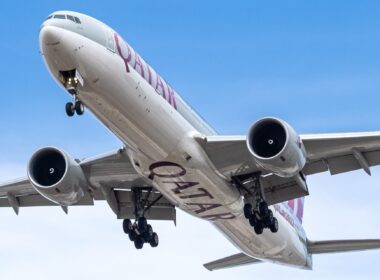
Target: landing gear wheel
[[132, 236], [79, 108], [148, 234], [248, 211], [154, 240], [142, 224], [139, 242], [70, 109], [253, 221], [269, 218], [274, 226], [258, 228], [263, 209], [127, 226]]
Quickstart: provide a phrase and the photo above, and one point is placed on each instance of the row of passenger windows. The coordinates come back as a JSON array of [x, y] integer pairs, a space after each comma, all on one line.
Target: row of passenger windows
[[72, 18]]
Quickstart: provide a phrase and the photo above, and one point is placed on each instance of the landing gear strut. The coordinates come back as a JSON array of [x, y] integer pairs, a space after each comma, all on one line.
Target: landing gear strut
[[258, 213], [140, 232]]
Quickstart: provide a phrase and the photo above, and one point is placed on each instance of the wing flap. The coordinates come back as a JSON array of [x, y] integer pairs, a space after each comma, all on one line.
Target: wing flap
[[231, 261], [339, 246]]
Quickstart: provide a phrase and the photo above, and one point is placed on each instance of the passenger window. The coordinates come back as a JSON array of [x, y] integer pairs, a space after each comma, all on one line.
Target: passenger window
[[60, 16], [70, 18], [77, 20]]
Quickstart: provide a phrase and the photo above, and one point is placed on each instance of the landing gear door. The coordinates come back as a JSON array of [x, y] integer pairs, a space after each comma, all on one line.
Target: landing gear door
[[110, 39]]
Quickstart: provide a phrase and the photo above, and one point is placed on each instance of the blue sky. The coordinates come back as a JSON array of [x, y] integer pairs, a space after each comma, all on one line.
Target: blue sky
[[313, 63]]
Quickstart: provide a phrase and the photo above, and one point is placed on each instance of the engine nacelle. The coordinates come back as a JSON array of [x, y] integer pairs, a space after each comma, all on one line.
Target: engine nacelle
[[276, 147], [57, 176]]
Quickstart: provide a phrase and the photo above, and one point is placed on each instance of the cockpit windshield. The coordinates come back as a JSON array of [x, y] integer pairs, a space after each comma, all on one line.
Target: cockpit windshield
[[67, 17]]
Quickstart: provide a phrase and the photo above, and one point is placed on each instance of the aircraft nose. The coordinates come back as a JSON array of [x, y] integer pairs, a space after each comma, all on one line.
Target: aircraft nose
[[50, 35]]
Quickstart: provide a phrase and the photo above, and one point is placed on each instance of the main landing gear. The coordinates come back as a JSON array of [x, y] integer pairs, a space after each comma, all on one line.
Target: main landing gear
[[140, 232], [260, 217], [258, 213]]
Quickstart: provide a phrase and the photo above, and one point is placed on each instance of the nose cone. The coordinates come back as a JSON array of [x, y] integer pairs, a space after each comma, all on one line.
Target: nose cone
[[50, 35]]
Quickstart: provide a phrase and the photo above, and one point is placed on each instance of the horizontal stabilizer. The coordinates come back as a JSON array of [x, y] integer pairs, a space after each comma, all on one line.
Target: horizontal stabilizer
[[338, 246], [231, 261]]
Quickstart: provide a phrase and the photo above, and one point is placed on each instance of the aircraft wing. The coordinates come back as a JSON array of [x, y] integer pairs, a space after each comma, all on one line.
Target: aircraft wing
[[110, 177], [336, 153]]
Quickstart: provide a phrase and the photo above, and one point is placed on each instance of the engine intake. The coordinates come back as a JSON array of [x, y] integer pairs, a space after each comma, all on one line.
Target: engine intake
[[276, 147], [268, 138], [57, 176]]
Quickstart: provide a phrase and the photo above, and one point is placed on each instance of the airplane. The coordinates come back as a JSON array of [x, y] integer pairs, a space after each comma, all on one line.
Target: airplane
[[251, 187]]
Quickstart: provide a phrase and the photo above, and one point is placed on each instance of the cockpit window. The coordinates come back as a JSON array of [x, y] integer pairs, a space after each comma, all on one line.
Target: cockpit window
[[70, 18], [60, 16], [77, 20], [49, 17]]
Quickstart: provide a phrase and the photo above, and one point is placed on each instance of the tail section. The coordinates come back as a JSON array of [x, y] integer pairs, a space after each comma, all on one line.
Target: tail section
[[313, 247]]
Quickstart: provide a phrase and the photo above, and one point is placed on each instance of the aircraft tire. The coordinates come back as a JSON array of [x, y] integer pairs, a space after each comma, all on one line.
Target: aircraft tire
[[248, 211], [127, 226], [79, 108], [132, 236], [70, 110], [139, 242], [274, 226], [263, 209], [258, 228], [148, 234], [253, 221], [154, 240]]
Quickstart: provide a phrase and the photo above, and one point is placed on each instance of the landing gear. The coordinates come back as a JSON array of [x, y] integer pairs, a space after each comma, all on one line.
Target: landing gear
[[140, 231], [74, 107], [259, 215], [70, 81]]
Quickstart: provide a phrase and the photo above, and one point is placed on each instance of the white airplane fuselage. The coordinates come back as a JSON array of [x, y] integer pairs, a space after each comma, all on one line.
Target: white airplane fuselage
[[159, 130]]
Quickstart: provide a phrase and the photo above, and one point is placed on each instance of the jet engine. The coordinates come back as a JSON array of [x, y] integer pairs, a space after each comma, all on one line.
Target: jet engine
[[57, 176], [276, 147]]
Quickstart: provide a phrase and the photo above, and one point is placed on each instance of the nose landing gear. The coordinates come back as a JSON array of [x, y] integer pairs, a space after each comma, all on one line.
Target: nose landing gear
[[70, 81]]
